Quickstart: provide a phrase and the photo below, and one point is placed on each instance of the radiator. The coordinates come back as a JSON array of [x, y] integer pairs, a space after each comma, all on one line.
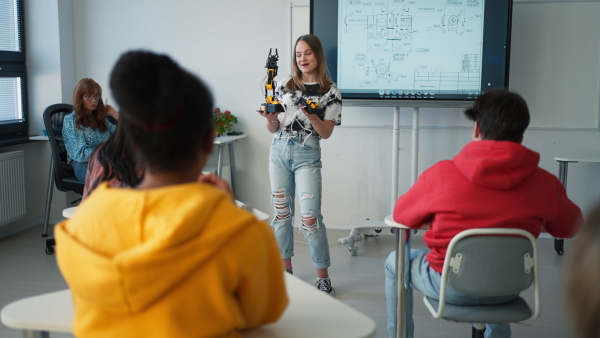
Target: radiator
[[12, 187]]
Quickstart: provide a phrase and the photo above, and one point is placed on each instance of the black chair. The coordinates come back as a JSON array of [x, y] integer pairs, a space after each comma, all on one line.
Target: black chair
[[64, 175]]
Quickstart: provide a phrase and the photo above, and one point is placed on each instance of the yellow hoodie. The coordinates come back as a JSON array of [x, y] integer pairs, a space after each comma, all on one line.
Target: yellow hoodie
[[179, 261]]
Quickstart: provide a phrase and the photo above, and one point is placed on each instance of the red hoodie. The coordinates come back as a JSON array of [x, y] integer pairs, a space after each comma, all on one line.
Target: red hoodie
[[489, 184]]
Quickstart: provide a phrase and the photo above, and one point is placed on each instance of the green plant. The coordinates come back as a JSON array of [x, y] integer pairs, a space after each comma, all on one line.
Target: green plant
[[223, 121]]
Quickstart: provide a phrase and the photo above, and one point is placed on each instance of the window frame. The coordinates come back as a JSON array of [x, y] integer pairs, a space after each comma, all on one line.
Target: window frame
[[13, 64]]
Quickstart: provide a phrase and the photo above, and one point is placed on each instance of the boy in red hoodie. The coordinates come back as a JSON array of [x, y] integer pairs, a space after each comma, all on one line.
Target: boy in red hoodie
[[493, 182]]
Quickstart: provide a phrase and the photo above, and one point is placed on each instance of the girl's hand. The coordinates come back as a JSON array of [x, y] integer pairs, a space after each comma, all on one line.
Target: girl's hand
[[271, 116], [216, 181], [311, 117], [111, 111]]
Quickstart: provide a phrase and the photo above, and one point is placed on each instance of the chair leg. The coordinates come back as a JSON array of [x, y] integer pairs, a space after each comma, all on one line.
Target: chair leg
[[49, 191], [478, 330], [50, 243]]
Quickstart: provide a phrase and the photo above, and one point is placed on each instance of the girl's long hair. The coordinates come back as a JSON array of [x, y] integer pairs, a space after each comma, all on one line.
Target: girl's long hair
[[94, 119], [322, 74], [118, 159]]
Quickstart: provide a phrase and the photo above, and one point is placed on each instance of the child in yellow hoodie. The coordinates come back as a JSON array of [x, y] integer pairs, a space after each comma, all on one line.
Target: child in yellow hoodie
[[173, 257]]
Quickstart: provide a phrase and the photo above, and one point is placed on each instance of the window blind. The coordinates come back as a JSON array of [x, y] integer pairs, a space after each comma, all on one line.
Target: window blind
[[11, 109], [10, 35]]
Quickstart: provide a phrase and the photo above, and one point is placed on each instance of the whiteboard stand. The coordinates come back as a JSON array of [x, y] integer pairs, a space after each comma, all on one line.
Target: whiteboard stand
[[374, 228], [415, 148]]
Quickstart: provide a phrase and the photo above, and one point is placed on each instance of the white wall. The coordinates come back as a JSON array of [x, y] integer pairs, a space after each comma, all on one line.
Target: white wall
[[226, 43]]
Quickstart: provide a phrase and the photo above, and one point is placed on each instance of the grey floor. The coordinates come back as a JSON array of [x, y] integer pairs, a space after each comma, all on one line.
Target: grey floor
[[25, 270]]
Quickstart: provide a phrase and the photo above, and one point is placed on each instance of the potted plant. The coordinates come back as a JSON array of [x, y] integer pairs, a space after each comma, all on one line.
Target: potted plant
[[223, 121]]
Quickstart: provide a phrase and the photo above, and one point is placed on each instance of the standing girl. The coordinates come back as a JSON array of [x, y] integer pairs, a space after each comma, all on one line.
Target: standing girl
[[87, 126], [295, 157]]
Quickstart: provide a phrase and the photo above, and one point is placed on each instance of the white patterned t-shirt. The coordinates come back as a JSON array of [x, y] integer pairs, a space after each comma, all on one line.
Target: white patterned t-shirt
[[293, 120]]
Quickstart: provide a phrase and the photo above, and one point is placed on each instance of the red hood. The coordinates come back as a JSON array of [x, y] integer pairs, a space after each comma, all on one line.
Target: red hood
[[496, 164]]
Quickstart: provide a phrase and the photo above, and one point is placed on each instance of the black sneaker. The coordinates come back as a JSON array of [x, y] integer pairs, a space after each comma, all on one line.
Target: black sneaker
[[288, 271], [324, 284]]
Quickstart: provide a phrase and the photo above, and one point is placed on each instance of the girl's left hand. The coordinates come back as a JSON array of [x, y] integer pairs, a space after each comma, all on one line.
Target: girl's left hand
[[311, 117], [216, 181]]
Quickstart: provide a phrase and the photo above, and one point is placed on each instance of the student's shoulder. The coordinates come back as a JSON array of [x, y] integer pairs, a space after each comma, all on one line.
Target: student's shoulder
[[545, 177], [334, 92], [441, 166]]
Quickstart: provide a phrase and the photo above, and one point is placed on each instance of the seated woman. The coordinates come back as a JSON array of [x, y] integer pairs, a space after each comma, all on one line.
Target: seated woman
[[113, 162], [87, 126], [172, 257]]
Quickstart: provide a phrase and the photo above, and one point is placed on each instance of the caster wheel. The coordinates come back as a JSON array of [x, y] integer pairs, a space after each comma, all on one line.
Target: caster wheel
[[351, 246], [49, 250], [378, 230], [559, 246]]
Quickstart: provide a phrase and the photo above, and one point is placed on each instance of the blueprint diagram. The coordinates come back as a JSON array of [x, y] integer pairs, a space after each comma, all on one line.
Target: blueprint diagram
[[419, 45]]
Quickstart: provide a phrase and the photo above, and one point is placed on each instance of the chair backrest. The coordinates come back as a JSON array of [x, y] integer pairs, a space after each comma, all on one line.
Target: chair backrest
[[64, 176], [492, 262]]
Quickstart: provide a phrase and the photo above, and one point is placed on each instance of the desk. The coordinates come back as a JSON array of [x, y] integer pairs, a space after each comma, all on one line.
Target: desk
[[402, 285], [220, 142], [261, 216], [563, 163], [54, 312], [563, 167]]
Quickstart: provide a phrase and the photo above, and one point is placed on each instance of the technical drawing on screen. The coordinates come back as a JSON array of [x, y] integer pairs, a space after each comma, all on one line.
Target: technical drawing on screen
[[423, 53], [410, 48]]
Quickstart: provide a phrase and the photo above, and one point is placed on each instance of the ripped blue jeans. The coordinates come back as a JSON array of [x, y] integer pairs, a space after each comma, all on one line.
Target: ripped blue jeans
[[295, 166]]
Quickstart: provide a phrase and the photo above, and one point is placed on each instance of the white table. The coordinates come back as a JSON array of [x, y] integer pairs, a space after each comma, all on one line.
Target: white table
[[563, 163], [402, 237], [563, 167], [228, 141], [311, 313], [68, 212]]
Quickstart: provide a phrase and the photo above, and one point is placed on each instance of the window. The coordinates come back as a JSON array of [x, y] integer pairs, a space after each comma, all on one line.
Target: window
[[13, 93]]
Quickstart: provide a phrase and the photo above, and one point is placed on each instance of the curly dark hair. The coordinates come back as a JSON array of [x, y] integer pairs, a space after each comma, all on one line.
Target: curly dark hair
[[166, 111]]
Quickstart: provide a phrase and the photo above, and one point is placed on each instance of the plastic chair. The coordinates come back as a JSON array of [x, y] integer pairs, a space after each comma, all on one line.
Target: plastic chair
[[64, 176], [490, 265]]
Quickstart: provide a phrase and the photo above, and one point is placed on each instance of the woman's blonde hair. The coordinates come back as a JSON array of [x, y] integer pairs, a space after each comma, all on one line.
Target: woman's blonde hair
[[93, 119], [583, 279], [322, 74]]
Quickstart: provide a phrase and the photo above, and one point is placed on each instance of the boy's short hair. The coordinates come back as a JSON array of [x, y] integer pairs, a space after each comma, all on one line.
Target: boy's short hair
[[501, 115]]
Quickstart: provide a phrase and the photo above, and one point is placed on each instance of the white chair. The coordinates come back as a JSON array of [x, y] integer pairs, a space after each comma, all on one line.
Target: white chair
[[489, 262]]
